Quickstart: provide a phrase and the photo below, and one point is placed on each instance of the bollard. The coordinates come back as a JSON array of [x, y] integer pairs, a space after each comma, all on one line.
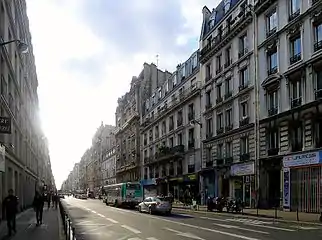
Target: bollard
[[275, 212], [297, 214], [320, 217]]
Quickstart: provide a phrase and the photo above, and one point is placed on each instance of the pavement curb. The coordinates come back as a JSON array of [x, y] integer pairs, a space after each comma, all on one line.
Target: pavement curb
[[246, 216], [60, 226]]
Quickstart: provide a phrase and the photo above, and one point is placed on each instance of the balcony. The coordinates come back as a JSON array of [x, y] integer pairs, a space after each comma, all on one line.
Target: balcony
[[209, 164], [271, 32], [229, 127], [272, 70], [208, 78], [228, 63], [242, 87], [209, 135], [166, 152], [262, 5], [242, 52], [228, 94], [296, 102], [317, 46], [272, 111], [244, 121], [244, 157], [191, 168], [219, 100], [295, 58], [191, 144], [219, 70], [272, 151], [220, 130], [318, 94]]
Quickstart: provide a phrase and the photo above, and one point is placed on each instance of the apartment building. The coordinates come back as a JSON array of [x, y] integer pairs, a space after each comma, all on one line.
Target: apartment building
[[227, 70], [127, 116], [109, 166], [290, 56], [27, 162], [170, 135]]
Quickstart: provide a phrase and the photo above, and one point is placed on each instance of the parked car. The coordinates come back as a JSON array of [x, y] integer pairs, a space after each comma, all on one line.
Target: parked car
[[154, 205]]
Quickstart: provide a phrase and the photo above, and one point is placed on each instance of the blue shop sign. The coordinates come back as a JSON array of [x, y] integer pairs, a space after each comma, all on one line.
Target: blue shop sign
[[147, 182], [302, 159]]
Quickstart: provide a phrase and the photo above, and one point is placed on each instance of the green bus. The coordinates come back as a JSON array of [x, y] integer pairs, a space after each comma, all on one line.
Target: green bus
[[128, 194]]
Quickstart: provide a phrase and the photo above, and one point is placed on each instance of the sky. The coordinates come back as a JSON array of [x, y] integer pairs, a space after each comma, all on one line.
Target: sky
[[86, 53]]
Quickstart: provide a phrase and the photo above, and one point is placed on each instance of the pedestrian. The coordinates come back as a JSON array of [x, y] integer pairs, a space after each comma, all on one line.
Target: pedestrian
[[10, 204], [48, 200], [38, 205]]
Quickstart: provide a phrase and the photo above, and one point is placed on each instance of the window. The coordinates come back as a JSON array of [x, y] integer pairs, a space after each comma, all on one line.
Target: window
[[171, 142], [296, 133], [218, 64], [156, 132], [244, 109], [227, 5], [191, 114], [317, 37], [180, 139], [194, 62], [167, 86], [229, 116], [296, 93], [163, 130], [220, 151], [244, 147], [174, 79], [228, 86], [219, 95], [271, 23], [319, 81], [208, 99], [209, 127], [242, 45], [295, 49], [243, 78], [272, 102], [160, 93], [208, 72], [227, 57], [273, 138], [272, 60], [179, 118], [171, 123], [220, 124], [294, 6], [229, 149]]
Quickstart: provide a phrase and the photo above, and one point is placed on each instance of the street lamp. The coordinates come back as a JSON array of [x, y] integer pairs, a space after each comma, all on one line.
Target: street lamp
[[22, 47]]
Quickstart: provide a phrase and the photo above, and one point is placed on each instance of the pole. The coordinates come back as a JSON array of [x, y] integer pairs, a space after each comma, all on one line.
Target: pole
[[257, 110]]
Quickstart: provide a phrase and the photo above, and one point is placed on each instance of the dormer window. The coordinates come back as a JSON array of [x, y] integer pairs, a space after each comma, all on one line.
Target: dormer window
[[227, 5], [212, 19]]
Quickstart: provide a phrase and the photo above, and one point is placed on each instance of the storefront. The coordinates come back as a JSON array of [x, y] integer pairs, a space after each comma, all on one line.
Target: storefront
[[302, 182], [243, 183]]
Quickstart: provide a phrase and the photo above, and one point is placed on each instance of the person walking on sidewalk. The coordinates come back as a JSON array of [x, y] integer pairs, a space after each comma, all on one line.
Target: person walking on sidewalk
[[10, 204], [38, 205], [55, 200], [48, 200]]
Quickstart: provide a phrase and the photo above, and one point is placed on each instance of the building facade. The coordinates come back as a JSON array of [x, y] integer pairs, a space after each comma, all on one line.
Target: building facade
[[109, 166], [27, 163], [227, 70], [170, 135], [127, 116], [290, 53]]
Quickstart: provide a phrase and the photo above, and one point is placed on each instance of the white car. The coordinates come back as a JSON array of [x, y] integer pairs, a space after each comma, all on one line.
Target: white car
[[155, 205]]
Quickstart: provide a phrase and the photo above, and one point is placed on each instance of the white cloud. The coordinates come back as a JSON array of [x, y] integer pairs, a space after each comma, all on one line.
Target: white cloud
[[71, 107]]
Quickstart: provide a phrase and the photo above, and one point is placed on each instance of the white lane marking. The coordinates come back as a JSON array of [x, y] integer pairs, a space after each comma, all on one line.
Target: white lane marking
[[83, 222], [248, 221], [151, 238], [93, 212], [111, 220], [215, 219], [271, 227], [192, 226], [131, 229], [90, 224], [184, 234], [240, 228], [304, 228], [101, 215], [135, 238]]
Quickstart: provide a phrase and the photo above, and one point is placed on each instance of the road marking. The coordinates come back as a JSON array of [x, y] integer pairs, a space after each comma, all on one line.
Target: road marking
[[248, 221], [215, 219], [90, 224], [240, 228], [184, 234], [82, 222], [93, 212], [193, 226], [111, 220], [151, 238], [131, 229], [271, 227], [101, 215], [135, 238], [304, 228]]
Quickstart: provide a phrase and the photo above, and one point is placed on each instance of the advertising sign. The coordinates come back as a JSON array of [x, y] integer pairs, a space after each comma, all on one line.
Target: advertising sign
[[5, 125], [302, 159], [286, 188], [2, 158], [242, 169]]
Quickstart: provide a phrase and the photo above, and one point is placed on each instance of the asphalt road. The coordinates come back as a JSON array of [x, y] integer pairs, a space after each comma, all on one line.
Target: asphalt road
[[93, 220]]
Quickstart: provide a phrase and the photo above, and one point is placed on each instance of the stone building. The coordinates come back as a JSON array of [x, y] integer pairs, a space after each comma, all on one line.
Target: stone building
[[127, 116], [227, 73], [170, 137], [27, 164]]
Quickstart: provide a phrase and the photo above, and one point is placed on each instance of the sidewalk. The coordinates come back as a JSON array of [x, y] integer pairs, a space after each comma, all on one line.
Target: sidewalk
[[27, 229], [262, 213]]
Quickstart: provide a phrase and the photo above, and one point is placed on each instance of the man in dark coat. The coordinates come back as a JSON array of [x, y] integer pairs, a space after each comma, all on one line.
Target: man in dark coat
[[10, 204], [38, 204]]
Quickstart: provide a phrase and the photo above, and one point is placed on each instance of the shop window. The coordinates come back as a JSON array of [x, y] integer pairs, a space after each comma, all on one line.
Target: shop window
[[296, 136]]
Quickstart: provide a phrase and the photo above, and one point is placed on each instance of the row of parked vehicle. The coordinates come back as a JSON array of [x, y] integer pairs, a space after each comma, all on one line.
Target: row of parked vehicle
[[219, 203]]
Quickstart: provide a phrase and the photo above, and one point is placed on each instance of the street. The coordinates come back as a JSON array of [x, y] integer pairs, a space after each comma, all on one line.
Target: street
[[93, 220]]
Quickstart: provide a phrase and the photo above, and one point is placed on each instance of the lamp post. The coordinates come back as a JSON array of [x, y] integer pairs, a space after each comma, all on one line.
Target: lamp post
[[22, 47]]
